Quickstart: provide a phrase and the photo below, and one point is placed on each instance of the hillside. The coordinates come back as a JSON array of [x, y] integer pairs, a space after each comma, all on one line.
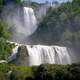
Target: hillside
[[60, 26]]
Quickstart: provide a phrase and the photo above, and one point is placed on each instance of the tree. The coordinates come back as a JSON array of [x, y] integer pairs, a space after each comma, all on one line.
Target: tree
[[5, 47], [76, 2]]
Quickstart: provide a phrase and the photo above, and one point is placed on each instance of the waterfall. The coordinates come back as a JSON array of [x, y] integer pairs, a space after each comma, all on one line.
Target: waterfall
[[21, 20], [29, 21], [41, 54], [23, 23]]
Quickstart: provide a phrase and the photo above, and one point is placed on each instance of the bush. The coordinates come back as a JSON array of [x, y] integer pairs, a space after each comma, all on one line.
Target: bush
[[5, 47], [42, 72], [57, 72]]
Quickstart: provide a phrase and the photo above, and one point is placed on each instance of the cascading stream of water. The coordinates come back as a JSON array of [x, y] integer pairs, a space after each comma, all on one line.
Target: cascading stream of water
[[40, 54], [30, 21], [21, 20]]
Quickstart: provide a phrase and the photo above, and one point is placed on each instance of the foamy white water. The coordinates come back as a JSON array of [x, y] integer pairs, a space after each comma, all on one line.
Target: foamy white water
[[40, 54], [30, 21], [22, 21]]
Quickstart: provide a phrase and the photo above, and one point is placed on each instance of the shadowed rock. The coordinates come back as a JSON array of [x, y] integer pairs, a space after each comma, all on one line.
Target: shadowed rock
[[22, 56]]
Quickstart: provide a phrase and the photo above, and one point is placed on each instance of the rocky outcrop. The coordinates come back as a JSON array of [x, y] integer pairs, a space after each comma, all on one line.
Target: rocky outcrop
[[22, 56]]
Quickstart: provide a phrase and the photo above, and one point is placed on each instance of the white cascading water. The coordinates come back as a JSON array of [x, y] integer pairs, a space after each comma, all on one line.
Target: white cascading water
[[40, 54], [22, 21], [29, 21]]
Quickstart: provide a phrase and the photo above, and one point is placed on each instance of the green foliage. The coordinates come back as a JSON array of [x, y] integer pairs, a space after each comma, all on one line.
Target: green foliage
[[5, 47], [1, 2], [77, 2], [35, 5], [1, 5], [63, 23], [57, 72], [42, 72], [50, 72], [18, 2], [4, 33], [17, 72], [22, 72]]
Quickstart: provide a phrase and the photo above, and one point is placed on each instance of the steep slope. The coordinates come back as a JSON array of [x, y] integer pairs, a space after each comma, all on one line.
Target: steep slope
[[60, 26]]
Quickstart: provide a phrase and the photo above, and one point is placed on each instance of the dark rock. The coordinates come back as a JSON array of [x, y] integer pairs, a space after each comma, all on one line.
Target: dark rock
[[22, 56]]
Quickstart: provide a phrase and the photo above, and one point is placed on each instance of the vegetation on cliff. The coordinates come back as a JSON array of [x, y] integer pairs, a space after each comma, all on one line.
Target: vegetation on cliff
[[5, 47], [61, 25]]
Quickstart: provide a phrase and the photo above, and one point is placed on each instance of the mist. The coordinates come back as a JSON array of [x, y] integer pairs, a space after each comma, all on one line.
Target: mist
[[21, 21]]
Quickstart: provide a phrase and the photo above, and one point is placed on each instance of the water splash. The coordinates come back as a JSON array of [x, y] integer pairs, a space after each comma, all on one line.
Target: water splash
[[21, 20], [41, 54], [29, 21]]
